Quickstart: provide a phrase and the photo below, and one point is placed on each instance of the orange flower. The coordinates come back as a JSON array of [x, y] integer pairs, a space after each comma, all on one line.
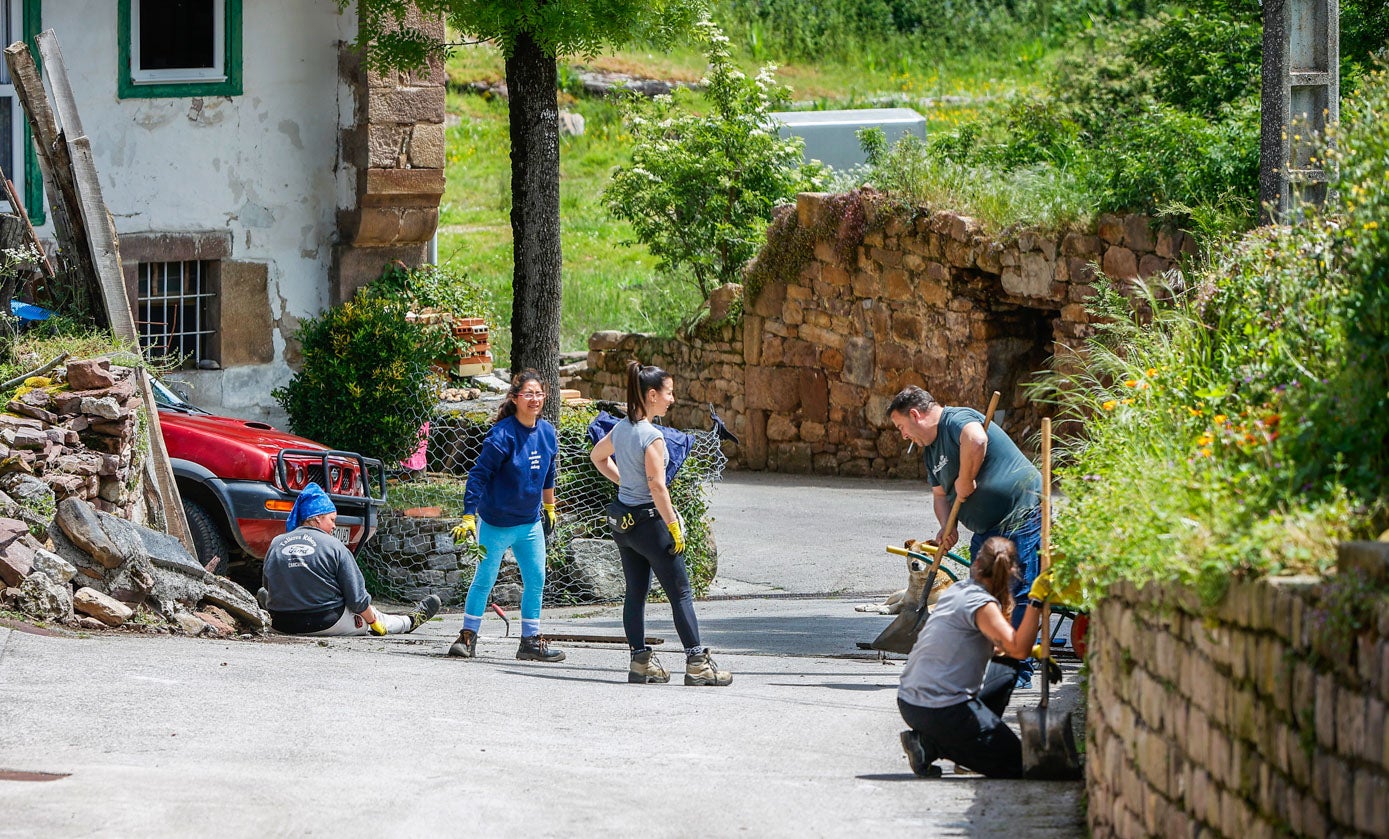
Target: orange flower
[[1219, 419], [1131, 383], [1194, 412], [1151, 372], [1109, 405], [1205, 452]]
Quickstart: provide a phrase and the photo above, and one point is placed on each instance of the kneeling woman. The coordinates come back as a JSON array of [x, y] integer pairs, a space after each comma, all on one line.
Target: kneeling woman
[[647, 530], [510, 503], [953, 692]]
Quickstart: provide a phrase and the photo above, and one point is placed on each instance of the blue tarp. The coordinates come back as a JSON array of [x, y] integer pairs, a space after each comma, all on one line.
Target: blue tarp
[[28, 311]]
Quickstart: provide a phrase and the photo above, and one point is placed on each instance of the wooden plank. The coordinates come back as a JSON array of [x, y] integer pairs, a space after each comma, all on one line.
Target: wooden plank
[[161, 469], [56, 169], [63, 101], [102, 240]]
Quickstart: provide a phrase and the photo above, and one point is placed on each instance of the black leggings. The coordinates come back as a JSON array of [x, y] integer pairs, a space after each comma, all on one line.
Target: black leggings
[[646, 548], [973, 733]]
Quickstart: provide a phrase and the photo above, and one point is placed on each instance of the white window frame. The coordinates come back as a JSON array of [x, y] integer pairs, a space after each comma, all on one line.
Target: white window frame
[[216, 73]]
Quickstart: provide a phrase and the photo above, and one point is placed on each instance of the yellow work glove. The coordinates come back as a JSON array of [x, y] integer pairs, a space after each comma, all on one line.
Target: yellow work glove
[[1053, 669], [674, 528], [377, 627], [466, 529], [547, 521], [1044, 588]]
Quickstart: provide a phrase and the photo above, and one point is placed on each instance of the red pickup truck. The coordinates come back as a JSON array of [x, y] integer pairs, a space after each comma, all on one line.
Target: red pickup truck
[[239, 479]]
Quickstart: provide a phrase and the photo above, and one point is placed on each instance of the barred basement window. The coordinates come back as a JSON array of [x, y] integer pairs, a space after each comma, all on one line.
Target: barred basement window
[[176, 310]]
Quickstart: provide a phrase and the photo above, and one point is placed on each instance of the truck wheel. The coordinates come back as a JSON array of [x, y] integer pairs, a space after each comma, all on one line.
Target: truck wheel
[[206, 537]]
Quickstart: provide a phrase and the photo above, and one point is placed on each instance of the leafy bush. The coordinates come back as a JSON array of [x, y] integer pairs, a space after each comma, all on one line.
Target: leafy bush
[[366, 383], [1241, 427], [437, 287], [700, 189]]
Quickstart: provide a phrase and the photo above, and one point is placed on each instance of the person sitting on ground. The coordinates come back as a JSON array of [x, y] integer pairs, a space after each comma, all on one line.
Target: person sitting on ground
[[647, 530], [313, 586], [510, 503], [953, 690]]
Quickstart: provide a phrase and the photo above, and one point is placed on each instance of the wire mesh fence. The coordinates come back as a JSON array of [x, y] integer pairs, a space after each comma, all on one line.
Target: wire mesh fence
[[414, 553]]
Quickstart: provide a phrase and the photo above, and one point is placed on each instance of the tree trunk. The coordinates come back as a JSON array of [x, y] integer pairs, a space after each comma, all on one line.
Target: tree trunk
[[532, 80], [14, 234]]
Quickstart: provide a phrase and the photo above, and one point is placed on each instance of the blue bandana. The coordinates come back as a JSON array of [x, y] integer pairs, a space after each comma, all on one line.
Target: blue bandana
[[313, 501]]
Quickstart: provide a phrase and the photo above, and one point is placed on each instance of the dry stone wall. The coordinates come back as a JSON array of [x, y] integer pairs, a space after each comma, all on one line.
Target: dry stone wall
[[853, 299], [1247, 720]]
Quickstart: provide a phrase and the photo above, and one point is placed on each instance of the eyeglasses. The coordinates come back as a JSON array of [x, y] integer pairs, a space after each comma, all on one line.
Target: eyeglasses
[[533, 395]]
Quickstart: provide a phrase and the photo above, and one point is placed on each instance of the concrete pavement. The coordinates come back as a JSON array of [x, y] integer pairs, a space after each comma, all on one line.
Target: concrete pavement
[[164, 736]]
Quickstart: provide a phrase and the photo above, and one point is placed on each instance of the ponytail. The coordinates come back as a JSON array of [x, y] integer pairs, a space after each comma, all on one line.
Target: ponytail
[[995, 568], [640, 380]]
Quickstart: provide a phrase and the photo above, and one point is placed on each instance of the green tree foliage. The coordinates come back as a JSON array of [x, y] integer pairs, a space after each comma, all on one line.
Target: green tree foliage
[[700, 189], [366, 383], [1242, 427], [532, 34]]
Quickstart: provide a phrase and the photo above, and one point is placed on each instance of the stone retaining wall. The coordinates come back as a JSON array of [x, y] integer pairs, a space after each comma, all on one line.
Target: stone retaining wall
[[852, 299], [1245, 720]]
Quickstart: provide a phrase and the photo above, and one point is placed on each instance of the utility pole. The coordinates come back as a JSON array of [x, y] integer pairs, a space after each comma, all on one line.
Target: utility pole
[[1301, 97]]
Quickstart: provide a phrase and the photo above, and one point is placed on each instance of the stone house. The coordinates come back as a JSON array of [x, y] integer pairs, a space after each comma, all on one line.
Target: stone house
[[256, 171]]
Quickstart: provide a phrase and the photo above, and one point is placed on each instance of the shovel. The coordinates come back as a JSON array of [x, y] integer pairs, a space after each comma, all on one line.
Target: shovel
[[900, 635], [1048, 742]]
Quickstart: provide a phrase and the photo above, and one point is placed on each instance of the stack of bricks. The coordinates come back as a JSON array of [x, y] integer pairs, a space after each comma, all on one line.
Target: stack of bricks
[[476, 359], [921, 298], [1243, 719]]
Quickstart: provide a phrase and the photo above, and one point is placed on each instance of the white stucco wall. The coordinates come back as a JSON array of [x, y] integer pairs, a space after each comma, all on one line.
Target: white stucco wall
[[262, 165]]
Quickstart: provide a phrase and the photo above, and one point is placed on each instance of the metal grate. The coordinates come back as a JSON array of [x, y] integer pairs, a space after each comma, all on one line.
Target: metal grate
[[174, 307]]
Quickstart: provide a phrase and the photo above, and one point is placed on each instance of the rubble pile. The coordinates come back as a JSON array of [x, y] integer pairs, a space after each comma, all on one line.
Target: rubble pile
[[69, 482], [79, 440]]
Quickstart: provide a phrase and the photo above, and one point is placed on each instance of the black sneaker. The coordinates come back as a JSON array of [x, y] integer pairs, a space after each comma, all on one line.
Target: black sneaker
[[423, 611], [921, 765], [536, 648]]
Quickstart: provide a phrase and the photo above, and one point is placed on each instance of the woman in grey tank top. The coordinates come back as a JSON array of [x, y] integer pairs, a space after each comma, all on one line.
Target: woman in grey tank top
[[648, 531], [952, 695]]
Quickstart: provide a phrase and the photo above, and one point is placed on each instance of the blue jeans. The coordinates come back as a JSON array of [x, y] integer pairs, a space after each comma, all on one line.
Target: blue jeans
[[1027, 537], [527, 543]]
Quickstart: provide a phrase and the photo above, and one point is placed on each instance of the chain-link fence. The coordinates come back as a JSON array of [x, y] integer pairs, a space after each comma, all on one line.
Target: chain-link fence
[[414, 553]]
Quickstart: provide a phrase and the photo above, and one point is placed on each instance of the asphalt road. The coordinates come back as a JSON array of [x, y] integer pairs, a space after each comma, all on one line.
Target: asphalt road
[[168, 737]]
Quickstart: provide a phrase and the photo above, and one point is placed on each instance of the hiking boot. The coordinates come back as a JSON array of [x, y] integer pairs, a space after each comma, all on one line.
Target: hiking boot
[[700, 669], [646, 669], [423, 611], [466, 645], [536, 648], [921, 765]]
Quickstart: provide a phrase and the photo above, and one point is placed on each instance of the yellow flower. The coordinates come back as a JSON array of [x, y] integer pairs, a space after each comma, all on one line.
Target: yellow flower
[[1131, 383], [1220, 419], [1194, 412], [1109, 405], [1151, 372], [1370, 225], [1205, 452], [1126, 401], [1205, 439]]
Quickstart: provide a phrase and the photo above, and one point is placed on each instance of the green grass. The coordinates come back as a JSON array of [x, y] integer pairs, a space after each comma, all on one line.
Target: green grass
[[609, 284]]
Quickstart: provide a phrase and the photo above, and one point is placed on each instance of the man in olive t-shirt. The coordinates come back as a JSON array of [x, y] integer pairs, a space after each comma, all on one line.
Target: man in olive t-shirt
[[1001, 488]]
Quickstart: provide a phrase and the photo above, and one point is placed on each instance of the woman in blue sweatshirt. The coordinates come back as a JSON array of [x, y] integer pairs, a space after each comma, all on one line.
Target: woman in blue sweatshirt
[[510, 503]]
